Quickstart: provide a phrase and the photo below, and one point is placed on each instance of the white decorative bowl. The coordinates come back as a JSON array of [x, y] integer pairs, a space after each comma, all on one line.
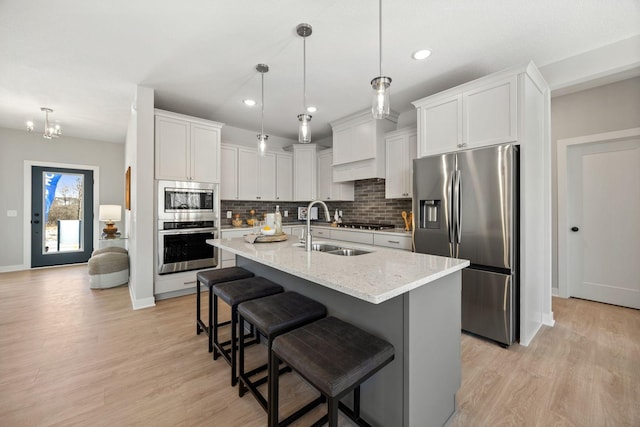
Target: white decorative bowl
[[269, 232]]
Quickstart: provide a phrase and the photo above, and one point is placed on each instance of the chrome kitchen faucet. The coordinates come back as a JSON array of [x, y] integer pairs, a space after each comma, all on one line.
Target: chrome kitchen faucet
[[307, 242]]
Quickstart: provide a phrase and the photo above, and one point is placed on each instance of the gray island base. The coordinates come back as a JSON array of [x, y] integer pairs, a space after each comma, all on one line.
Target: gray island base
[[417, 309]]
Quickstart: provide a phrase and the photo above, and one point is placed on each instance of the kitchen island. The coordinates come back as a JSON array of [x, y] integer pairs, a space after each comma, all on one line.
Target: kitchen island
[[411, 300]]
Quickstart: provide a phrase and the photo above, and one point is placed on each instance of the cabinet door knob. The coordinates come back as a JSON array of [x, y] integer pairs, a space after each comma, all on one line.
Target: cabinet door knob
[[574, 229]]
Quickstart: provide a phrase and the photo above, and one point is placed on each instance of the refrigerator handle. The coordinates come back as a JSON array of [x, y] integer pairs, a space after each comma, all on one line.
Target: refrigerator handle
[[450, 213], [456, 202]]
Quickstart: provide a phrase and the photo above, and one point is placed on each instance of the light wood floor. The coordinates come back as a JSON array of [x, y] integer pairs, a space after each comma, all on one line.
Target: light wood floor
[[74, 356]]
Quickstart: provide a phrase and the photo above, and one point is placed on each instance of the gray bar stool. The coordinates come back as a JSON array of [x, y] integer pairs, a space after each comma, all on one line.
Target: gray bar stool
[[235, 293], [210, 278], [272, 316], [333, 356]]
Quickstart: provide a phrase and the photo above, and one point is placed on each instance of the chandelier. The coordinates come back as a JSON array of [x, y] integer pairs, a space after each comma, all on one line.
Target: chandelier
[[50, 131]]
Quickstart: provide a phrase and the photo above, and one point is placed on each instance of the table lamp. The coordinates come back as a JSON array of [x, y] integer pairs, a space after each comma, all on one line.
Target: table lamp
[[110, 214]]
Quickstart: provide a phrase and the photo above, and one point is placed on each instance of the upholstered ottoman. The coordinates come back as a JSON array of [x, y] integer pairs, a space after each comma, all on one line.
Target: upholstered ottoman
[[108, 267]]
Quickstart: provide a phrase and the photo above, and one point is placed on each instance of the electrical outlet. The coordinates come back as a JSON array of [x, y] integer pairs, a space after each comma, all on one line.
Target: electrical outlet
[[229, 214], [285, 213]]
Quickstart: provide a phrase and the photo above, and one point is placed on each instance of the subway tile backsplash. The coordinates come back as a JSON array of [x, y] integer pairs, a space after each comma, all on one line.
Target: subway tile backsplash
[[369, 206]]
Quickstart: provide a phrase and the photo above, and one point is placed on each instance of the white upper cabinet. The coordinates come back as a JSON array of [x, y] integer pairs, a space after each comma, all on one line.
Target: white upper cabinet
[[284, 177], [440, 124], [246, 175], [228, 172], [186, 148], [401, 150], [327, 189], [256, 175], [358, 146], [304, 172], [476, 114], [490, 113]]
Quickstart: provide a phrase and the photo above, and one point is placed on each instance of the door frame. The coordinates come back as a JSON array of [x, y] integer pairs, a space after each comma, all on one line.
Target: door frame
[[26, 254], [564, 288]]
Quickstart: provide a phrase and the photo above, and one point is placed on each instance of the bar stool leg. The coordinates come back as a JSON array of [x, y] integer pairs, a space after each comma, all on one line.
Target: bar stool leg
[[234, 344], [356, 403], [332, 405], [273, 390], [214, 325], [198, 328], [241, 389], [211, 319]]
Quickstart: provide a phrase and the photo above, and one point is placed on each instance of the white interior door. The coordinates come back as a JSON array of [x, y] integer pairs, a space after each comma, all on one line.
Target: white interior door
[[603, 235]]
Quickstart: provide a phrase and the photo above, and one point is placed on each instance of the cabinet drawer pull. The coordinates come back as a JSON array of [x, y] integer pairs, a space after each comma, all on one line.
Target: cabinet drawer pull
[[394, 241]]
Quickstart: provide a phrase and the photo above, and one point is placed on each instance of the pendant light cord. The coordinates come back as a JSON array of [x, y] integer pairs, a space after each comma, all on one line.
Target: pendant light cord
[[304, 75], [262, 106], [380, 33]]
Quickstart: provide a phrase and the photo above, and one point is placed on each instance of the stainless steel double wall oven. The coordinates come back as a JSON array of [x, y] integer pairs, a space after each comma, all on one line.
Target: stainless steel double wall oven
[[187, 216]]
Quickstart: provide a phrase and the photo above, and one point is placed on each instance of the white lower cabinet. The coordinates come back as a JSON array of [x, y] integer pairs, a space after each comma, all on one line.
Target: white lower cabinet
[[392, 241], [352, 236], [227, 259], [321, 232], [294, 232]]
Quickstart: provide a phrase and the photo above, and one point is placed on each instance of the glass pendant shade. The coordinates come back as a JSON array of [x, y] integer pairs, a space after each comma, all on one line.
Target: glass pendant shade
[[262, 143], [304, 130], [380, 103]]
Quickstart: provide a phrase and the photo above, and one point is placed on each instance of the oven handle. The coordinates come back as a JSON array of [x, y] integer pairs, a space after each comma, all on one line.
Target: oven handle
[[188, 231]]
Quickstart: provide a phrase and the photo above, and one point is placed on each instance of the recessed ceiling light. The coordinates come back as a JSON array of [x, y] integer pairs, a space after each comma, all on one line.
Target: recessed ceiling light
[[249, 102], [421, 54], [311, 109]]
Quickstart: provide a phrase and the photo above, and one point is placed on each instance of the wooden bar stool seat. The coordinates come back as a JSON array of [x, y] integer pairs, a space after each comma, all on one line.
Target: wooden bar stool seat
[[210, 278], [234, 293], [272, 316], [333, 356]]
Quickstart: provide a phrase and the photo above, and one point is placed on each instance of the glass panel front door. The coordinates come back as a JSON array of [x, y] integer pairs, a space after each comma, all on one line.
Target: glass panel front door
[[62, 216]]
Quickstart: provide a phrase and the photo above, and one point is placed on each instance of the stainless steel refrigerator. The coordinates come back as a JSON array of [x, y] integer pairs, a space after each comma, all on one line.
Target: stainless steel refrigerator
[[466, 206]]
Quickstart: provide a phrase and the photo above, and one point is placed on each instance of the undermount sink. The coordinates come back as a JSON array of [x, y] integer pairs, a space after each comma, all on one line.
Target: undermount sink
[[337, 250], [348, 252], [324, 247]]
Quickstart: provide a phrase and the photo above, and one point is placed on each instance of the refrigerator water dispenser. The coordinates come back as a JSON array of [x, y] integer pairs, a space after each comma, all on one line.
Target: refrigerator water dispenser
[[429, 214]]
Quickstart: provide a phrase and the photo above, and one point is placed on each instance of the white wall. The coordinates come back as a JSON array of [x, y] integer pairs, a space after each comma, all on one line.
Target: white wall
[[139, 154], [17, 146], [611, 107]]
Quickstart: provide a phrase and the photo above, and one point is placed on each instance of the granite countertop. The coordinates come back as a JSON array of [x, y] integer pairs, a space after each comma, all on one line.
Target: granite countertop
[[374, 277], [390, 231]]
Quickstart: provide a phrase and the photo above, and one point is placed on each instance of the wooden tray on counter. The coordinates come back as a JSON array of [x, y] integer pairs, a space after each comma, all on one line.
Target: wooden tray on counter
[[266, 239]]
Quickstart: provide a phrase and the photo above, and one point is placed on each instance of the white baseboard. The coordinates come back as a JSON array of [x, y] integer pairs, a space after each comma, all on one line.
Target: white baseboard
[[141, 303], [9, 268], [547, 319]]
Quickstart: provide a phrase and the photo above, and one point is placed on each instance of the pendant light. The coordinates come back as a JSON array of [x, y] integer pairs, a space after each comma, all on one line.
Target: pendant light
[[304, 129], [380, 104], [262, 138]]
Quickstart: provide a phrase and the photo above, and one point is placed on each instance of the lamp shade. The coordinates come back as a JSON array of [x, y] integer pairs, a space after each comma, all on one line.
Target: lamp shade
[[109, 213]]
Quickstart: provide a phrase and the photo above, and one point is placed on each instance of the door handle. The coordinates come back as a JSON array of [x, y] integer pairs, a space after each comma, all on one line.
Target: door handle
[[574, 229]]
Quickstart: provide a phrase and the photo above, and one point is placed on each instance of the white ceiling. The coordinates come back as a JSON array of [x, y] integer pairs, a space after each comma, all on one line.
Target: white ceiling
[[84, 58]]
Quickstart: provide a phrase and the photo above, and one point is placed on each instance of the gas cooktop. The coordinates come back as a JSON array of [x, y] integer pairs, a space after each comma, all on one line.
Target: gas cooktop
[[365, 226]]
